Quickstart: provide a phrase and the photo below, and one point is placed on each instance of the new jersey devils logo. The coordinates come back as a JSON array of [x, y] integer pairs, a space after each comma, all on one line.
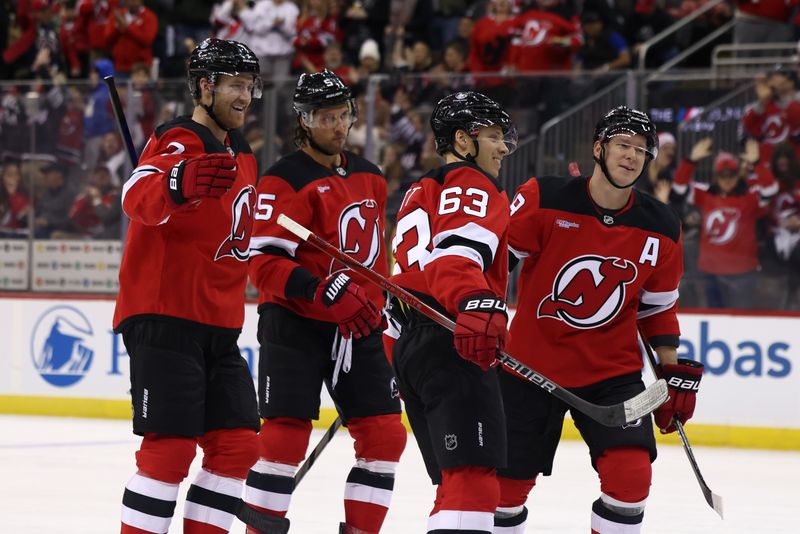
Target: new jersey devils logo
[[722, 225], [360, 233], [588, 291], [237, 244]]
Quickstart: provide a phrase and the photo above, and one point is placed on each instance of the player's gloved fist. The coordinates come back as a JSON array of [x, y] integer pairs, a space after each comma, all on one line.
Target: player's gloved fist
[[209, 175], [349, 305], [683, 381], [481, 329]]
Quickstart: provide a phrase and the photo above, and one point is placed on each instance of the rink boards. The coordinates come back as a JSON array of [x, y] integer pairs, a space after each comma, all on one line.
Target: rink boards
[[60, 357]]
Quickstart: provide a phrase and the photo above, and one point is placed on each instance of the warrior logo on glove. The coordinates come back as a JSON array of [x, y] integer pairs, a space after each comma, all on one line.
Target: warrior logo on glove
[[359, 233], [589, 291]]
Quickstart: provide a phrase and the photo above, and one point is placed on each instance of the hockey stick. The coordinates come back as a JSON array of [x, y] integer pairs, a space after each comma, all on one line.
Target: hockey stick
[[713, 500], [267, 524], [614, 415], [122, 124], [312, 457]]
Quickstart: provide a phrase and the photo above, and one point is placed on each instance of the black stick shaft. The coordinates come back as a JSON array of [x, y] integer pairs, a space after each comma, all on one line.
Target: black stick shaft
[[312, 457], [122, 124]]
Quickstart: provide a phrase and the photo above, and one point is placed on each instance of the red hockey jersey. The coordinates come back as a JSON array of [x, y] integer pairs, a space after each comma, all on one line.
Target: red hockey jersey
[[588, 277], [346, 207], [728, 240], [187, 261], [451, 237], [772, 124], [533, 48]]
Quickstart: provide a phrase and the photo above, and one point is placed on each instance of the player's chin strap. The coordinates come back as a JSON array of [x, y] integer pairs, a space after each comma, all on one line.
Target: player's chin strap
[[603, 167], [342, 353], [210, 111]]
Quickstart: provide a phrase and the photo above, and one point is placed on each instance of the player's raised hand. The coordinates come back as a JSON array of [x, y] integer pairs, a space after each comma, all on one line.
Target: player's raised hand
[[209, 175], [355, 314], [481, 329], [683, 381]]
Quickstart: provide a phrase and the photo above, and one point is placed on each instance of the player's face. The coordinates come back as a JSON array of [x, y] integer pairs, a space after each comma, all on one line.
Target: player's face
[[492, 149], [330, 127], [625, 157], [233, 97]]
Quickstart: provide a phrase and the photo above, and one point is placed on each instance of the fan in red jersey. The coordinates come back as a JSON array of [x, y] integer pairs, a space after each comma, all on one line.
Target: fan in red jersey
[[180, 306], [730, 210], [317, 323], [451, 251], [601, 260]]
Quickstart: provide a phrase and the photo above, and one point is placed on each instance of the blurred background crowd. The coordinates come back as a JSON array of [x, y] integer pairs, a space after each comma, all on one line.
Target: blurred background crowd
[[63, 164]]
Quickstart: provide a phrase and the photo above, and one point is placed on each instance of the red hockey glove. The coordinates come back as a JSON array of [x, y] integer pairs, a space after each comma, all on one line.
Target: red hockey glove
[[683, 381], [349, 305], [481, 329], [209, 175]]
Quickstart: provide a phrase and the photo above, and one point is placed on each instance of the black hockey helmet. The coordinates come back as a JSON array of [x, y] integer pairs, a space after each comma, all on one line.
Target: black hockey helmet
[[469, 111], [218, 56], [626, 121], [319, 90]]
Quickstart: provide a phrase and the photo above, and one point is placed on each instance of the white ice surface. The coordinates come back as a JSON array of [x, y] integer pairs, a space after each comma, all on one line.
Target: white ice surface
[[67, 476]]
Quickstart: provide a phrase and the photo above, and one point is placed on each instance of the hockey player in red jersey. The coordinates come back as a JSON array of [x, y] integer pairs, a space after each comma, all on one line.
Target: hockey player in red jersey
[[180, 306], [450, 245], [318, 322], [601, 261]]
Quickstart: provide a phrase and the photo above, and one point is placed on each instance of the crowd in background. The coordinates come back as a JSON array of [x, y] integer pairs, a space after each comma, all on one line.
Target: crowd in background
[[59, 51]]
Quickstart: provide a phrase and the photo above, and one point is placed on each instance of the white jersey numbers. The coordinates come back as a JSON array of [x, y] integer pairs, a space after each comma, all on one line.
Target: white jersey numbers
[[517, 203], [475, 201], [649, 251], [264, 206], [405, 243]]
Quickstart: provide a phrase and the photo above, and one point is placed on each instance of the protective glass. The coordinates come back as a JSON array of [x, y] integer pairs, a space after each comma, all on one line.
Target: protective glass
[[235, 87], [329, 118], [622, 141], [510, 136]]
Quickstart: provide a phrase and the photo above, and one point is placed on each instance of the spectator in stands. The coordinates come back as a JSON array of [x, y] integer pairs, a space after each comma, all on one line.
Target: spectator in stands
[[225, 21], [544, 40], [316, 29], [444, 26], [603, 49], [333, 58], [69, 143], [13, 138], [452, 74], [96, 212], [36, 53], [647, 20], [490, 50], [357, 138], [270, 29], [407, 128], [142, 115], [786, 213], [51, 213], [98, 117], [775, 116], [14, 200], [74, 37], [657, 181], [730, 211], [114, 158], [97, 14], [361, 20], [130, 33], [763, 21]]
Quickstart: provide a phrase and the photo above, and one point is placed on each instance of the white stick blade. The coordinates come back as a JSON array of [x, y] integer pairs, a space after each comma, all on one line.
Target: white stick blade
[[296, 228], [646, 401], [717, 504]]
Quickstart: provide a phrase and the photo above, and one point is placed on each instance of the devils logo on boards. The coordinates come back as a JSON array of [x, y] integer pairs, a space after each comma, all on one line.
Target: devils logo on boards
[[237, 244], [360, 233], [588, 291]]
